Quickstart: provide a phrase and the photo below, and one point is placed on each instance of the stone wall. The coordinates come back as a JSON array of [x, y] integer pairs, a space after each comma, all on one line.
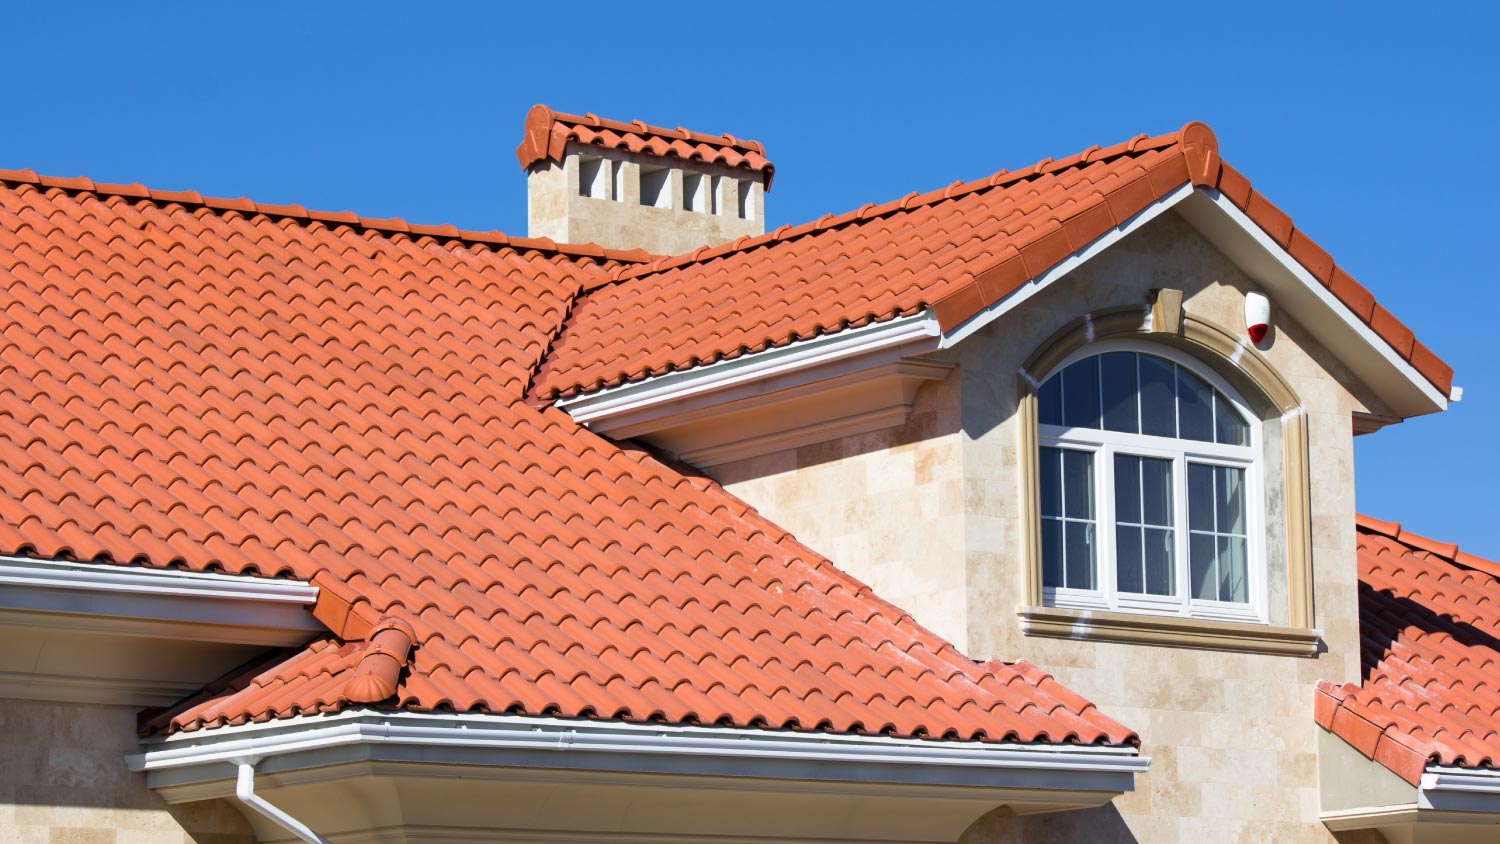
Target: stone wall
[[1231, 735], [63, 780]]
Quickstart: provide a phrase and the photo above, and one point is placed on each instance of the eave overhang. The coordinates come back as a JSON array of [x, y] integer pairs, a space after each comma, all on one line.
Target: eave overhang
[[1450, 804], [511, 772], [863, 379], [98, 633]]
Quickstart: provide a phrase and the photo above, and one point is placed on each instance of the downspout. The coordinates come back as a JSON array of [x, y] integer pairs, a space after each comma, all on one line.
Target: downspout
[[244, 790]]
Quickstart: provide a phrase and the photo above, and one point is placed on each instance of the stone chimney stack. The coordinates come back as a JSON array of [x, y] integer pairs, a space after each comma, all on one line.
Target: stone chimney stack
[[629, 185]]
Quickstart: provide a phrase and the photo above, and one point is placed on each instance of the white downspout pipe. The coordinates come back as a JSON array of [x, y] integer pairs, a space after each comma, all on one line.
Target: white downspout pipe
[[244, 790]]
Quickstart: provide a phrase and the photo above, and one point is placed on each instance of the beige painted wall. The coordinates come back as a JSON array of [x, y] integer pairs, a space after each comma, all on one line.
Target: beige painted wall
[[1232, 738], [63, 781]]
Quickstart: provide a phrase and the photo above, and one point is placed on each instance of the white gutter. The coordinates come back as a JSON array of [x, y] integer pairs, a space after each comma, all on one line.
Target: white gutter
[[1460, 789], [131, 600], [244, 791], [104, 577], [721, 375], [536, 742]]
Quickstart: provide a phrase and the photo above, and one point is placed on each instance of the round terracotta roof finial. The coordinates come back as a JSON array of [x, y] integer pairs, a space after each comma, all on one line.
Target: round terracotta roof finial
[[1201, 149]]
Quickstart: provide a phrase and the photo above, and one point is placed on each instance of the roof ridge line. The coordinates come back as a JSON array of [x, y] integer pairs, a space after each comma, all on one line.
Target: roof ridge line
[[870, 210], [1446, 550], [392, 225]]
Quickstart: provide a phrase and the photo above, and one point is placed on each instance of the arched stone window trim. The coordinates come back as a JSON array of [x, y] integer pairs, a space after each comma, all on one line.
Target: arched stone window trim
[[1267, 394]]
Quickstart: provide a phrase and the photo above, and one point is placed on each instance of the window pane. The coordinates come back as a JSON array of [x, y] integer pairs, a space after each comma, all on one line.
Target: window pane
[[1078, 484], [1118, 381], [1195, 407], [1229, 426], [1203, 572], [1232, 585], [1127, 488], [1051, 472], [1128, 571], [1200, 497], [1081, 394], [1049, 401], [1078, 549], [1229, 499], [1156, 491], [1158, 408], [1052, 553], [1160, 570]]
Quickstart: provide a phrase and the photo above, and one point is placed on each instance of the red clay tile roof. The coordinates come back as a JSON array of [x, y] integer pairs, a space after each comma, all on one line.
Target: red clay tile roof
[[547, 134], [217, 385], [1430, 642], [954, 250]]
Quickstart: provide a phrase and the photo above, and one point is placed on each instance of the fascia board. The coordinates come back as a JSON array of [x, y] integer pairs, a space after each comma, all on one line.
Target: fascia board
[[1451, 790], [1313, 305], [155, 602], [675, 392], [1017, 297], [1092, 773]]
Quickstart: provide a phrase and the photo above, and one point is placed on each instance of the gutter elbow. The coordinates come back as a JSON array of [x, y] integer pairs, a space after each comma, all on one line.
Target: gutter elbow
[[244, 791]]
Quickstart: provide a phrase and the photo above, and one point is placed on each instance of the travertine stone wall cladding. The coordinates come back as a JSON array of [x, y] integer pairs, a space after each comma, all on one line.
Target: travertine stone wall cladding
[[1231, 735], [63, 781]]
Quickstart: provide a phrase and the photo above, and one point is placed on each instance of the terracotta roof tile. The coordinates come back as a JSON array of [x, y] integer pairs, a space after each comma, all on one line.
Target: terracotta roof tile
[[1430, 642], [548, 133], [269, 392], [954, 250]]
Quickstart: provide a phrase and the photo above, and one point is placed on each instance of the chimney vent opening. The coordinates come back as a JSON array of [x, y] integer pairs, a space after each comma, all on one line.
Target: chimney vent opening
[[654, 187]]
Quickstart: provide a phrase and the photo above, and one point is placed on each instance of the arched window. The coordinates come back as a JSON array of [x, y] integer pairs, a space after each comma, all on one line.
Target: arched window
[[1149, 480]]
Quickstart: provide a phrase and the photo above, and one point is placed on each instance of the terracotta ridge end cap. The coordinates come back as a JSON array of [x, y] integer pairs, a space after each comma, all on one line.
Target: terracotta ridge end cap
[[1200, 146]]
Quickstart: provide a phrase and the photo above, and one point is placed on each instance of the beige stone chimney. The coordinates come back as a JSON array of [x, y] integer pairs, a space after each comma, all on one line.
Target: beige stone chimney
[[630, 185]]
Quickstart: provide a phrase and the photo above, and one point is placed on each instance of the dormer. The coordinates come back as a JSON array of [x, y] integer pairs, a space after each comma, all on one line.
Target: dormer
[[634, 186]]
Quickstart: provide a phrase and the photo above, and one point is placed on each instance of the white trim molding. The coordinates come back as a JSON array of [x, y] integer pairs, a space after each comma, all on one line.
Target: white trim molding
[[858, 380], [1448, 799], [938, 786], [103, 633]]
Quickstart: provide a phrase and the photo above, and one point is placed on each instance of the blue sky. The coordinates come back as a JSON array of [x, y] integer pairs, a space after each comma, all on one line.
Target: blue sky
[[1369, 123]]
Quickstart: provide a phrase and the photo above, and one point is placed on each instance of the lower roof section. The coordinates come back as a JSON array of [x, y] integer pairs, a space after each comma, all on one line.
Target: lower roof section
[[771, 784]]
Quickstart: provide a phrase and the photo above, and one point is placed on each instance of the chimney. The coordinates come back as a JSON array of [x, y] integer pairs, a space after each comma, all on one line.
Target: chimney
[[630, 185]]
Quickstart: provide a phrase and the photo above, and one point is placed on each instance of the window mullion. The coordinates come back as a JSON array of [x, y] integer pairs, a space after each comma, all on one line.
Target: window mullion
[[1105, 525], [1181, 532]]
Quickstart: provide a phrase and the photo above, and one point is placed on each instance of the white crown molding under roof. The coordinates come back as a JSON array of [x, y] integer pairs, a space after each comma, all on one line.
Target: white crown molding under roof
[[863, 379], [103, 633], [494, 776]]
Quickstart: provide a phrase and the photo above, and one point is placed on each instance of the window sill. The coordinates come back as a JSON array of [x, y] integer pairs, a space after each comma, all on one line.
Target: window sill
[[1170, 631]]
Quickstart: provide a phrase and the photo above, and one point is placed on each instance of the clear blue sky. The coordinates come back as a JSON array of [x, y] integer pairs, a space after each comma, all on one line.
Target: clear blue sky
[[1369, 123]]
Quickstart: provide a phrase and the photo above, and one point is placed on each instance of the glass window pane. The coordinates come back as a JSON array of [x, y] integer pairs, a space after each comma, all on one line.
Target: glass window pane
[[1156, 491], [1049, 401], [1201, 556], [1078, 548], [1232, 574], [1160, 570], [1200, 497], [1052, 553], [1158, 408], [1127, 488], [1128, 572], [1230, 500], [1229, 427], [1051, 481], [1078, 484], [1118, 382], [1081, 394], [1195, 407]]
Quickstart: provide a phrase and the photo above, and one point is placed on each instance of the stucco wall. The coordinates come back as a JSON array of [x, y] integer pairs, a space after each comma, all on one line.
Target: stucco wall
[[1231, 735], [63, 781]]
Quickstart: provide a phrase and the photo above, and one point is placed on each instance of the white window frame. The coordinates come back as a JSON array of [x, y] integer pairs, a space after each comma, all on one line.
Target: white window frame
[[1106, 444]]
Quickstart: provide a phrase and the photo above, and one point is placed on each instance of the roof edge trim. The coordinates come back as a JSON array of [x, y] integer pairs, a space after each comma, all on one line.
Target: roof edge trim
[[656, 391], [647, 748], [156, 602]]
